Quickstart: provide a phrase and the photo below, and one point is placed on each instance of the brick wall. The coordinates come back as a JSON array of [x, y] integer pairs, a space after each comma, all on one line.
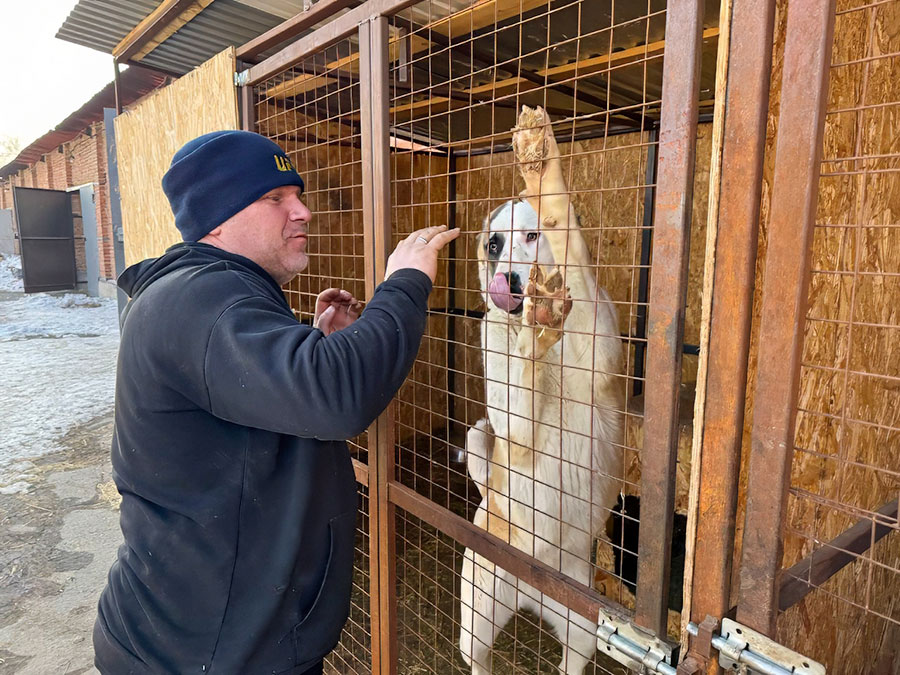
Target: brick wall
[[82, 160]]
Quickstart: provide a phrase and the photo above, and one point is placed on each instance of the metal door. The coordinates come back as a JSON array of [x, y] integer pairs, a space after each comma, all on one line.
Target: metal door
[[46, 237]]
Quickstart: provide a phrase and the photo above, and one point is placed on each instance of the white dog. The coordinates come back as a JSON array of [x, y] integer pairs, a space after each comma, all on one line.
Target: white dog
[[548, 458]]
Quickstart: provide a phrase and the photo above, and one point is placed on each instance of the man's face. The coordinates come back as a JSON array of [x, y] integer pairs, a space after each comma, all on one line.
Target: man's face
[[272, 232]]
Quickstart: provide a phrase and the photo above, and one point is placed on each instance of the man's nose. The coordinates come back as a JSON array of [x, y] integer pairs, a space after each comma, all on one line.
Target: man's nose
[[300, 211]]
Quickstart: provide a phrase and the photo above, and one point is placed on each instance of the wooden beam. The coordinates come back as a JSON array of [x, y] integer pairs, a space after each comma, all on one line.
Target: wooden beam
[[826, 561], [586, 66], [293, 27], [168, 30], [151, 24]]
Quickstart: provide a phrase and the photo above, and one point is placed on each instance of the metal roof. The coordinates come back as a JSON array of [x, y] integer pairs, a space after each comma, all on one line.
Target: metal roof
[[134, 83], [102, 24]]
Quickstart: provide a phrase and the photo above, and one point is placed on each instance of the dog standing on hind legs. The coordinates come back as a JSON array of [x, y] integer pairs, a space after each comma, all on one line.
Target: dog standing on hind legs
[[547, 460]]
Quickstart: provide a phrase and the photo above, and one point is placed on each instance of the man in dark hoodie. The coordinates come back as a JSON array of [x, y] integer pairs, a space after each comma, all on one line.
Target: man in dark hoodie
[[238, 494]]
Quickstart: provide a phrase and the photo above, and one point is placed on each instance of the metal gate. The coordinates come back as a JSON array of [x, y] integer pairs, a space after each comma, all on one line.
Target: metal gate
[[402, 114], [46, 238]]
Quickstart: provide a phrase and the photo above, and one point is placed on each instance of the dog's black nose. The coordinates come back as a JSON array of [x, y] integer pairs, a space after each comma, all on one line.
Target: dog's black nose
[[515, 285]]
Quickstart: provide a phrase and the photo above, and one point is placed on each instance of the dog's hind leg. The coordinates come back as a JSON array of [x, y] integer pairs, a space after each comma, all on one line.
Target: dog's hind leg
[[576, 634], [479, 441], [487, 604]]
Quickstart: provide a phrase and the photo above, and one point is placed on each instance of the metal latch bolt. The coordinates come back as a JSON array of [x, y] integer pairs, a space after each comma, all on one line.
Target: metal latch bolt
[[746, 651], [632, 647]]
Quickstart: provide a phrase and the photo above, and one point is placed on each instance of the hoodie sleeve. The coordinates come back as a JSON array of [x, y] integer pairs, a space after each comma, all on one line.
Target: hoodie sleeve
[[263, 369]]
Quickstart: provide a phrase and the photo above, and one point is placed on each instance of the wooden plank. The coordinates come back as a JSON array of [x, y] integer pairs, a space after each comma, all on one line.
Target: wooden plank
[[176, 24], [149, 26], [810, 573], [299, 85], [482, 14]]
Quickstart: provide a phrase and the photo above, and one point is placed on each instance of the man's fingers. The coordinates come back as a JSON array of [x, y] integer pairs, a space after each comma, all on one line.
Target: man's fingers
[[442, 238], [326, 318], [427, 233]]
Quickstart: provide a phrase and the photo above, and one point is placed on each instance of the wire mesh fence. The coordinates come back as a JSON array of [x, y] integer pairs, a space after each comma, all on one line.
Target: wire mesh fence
[[523, 415], [312, 109], [840, 543]]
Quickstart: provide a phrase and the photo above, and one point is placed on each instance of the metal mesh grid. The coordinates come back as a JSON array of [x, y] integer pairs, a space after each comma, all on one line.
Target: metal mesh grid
[[313, 111], [846, 469], [459, 75], [428, 564], [353, 655]]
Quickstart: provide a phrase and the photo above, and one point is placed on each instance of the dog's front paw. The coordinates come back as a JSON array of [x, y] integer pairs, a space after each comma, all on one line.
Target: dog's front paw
[[534, 143], [546, 305]]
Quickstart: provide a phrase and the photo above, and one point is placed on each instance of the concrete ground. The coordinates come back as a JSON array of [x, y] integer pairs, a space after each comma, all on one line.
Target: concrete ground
[[56, 545]]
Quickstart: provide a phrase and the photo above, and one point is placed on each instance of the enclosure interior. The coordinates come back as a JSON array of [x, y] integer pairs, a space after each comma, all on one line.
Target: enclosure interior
[[459, 74]]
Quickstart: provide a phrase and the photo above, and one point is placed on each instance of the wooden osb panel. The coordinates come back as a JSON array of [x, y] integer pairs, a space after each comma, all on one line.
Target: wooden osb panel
[[149, 134], [847, 441]]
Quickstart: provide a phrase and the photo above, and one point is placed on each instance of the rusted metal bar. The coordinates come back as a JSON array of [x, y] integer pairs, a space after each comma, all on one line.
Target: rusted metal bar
[[743, 146], [581, 599], [248, 107], [361, 471], [668, 279], [292, 27], [807, 57], [327, 35], [823, 563], [373, 68]]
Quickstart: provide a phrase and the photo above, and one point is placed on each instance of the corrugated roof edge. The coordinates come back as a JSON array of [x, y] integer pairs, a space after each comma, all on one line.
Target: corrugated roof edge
[[134, 83]]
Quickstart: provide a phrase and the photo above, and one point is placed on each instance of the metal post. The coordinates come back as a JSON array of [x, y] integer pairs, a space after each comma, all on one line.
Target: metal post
[[374, 95], [116, 86], [671, 235], [115, 205], [743, 145], [807, 57]]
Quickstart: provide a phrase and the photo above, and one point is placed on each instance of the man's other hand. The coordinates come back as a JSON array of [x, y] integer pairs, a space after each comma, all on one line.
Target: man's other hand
[[419, 250], [335, 309]]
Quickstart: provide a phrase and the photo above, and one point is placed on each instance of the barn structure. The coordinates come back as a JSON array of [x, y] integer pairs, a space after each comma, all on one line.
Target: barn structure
[[736, 172]]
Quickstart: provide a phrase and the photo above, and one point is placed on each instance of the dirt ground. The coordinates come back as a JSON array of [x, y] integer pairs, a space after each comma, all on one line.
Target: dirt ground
[[56, 545]]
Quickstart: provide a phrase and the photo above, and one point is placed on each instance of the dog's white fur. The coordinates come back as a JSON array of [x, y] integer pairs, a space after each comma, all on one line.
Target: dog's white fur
[[548, 458]]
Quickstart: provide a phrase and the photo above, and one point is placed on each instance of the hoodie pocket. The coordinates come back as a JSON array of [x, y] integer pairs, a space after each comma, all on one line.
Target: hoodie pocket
[[319, 631]]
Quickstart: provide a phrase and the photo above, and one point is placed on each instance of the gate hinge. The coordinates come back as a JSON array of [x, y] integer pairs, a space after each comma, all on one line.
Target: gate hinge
[[633, 647], [241, 78], [746, 651]]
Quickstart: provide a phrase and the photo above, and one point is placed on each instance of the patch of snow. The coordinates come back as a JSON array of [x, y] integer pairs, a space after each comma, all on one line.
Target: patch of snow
[[11, 273], [58, 366], [19, 488]]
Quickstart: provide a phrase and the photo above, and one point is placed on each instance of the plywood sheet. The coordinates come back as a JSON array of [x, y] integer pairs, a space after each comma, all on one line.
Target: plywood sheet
[[149, 134]]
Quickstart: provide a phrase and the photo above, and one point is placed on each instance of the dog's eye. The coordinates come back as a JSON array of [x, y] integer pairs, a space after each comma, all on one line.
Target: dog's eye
[[531, 236], [492, 247]]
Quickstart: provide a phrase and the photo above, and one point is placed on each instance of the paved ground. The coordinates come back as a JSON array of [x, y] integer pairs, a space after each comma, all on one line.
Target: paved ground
[[58, 519], [56, 545]]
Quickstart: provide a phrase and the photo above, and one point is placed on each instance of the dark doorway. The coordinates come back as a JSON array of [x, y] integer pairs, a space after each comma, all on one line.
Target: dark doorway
[[46, 238]]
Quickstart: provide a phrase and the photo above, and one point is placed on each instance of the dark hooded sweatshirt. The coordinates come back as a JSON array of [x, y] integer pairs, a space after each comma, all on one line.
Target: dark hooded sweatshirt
[[238, 494]]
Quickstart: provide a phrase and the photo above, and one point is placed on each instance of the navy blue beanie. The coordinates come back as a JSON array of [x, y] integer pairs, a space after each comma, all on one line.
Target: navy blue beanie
[[218, 174]]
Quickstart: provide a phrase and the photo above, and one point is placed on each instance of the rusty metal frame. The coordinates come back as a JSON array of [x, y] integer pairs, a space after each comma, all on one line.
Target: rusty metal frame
[[373, 68], [807, 58], [743, 146], [291, 28], [672, 207], [668, 289]]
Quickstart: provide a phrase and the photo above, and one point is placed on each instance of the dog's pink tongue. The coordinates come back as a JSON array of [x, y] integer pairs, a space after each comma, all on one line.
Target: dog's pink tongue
[[501, 294]]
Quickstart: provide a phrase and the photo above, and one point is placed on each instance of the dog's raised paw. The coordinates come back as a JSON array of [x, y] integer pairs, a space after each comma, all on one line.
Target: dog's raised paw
[[547, 301]]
